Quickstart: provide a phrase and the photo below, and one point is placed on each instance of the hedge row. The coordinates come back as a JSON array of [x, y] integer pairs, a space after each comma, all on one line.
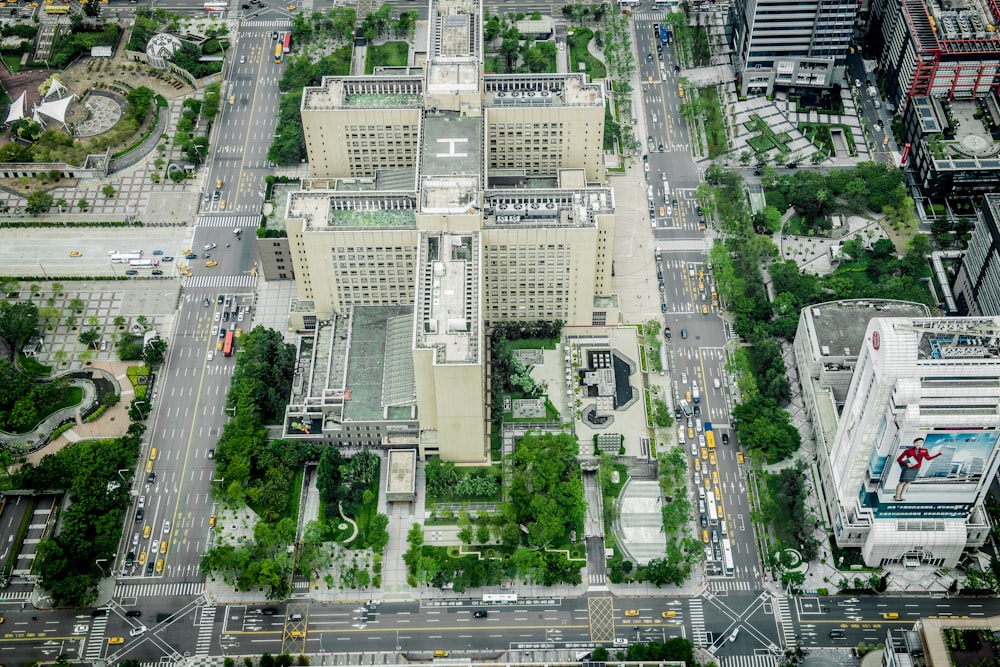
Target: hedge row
[[45, 223]]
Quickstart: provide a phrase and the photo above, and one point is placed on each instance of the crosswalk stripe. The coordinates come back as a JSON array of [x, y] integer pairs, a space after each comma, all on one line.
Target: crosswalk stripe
[[697, 615], [250, 222], [206, 626], [265, 23], [785, 616], [182, 588], [95, 640], [221, 281], [746, 661], [717, 585], [14, 595]]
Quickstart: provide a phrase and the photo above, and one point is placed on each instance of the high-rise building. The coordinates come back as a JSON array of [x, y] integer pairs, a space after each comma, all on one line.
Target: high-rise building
[[791, 44], [470, 198], [977, 287], [941, 49], [918, 441]]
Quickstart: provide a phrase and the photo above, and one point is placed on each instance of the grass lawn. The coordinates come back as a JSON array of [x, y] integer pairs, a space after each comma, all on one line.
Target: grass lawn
[[819, 134], [495, 65], [390, 54], [578, 53], [715, 128], [366, 514], [31, 365]]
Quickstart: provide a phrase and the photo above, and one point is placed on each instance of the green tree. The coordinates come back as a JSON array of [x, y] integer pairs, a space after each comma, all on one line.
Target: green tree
[[108, 190], [38, 202], [154, 352], [90, 337], [18, 321]]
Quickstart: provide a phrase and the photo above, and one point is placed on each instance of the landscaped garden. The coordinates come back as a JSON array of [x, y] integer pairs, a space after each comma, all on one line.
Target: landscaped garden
[[767, 139], [580, 55], [819, 134]]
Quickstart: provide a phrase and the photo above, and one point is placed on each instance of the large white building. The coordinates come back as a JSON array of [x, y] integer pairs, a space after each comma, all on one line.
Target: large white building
[[930, 381], [452, 200]]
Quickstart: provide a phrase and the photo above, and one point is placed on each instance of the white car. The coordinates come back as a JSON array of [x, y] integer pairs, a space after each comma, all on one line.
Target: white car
[[210, 246], [211, 355], [684, 378], [166, 526], [215, 331], [239, 318], [135, 632], [218, 316]]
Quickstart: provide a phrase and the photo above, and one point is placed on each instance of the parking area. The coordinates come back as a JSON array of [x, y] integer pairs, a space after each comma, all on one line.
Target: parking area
[[45, 252]]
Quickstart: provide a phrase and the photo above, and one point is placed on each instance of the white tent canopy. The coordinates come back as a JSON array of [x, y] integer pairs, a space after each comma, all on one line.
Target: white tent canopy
[[16, 109], [54, 111]]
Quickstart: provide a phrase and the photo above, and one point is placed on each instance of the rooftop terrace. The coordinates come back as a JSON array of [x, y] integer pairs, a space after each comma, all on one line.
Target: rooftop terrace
[[370, 91], [839, 327], [541, 90], [330, 210]]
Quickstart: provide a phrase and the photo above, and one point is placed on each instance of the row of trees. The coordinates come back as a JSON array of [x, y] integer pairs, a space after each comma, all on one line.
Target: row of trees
[[69, 564], [337, 23], [81, 37], [533, 56]]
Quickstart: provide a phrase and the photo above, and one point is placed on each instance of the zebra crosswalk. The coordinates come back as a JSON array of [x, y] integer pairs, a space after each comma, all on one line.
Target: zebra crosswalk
[[221, 281], [14, 595], [266, 23], [95, 640], [784, 619], [697, 615], [206, 626], [249, 222], [597, 578], [159, 590], [765, 660], [720, 585]]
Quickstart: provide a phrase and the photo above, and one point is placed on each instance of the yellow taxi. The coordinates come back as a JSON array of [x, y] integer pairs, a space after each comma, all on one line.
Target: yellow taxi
[[211, 520], [290, 8], [142, 558], [708, 484], [701, 274], [149, 467], [631, 612], [218, 346], [116, 640], [76, 253], [739, 457], [146, 531], [890, 615], [159, 565], [301, 634], [222, 205], [717, 492], [152, 454], [690, 433], [711, 458], [704, 452], [668, 614], [715, 476], [701, 285], [697, 464], [239, 332], [211, 262], [437, 654], [187, 251], [163, 547], [704, 536], [704, 309]]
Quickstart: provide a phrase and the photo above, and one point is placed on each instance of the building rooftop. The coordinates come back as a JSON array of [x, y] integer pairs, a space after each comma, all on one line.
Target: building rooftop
[[448, 297], [389, 92], [402, 473], [449, 195], [379, 360], [539, 207], [838, 327], [971, 147], [329, 210], [504, 90], [452, 145]]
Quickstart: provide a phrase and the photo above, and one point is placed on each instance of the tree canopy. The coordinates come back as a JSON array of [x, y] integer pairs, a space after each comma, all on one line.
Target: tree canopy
[[262, 379], [546, 492]]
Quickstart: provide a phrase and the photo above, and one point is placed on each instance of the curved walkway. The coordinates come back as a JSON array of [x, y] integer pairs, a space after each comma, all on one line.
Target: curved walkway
[[113, 423], [145, 148]]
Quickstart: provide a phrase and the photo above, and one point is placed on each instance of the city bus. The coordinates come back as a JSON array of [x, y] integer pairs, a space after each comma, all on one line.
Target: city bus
[[216, 6], [277, 53], [227, 348], [499, 598], [286, 46], [143, 263], [713, 514], [709, 436], [727, 557]]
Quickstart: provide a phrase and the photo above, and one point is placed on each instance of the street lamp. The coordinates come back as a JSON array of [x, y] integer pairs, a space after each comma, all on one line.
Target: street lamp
[[43, 270], [98, 564]]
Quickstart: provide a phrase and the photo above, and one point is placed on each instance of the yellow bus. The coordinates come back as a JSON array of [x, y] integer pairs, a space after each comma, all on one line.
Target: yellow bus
[[57, 9], [278, 52], [680, 89]]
